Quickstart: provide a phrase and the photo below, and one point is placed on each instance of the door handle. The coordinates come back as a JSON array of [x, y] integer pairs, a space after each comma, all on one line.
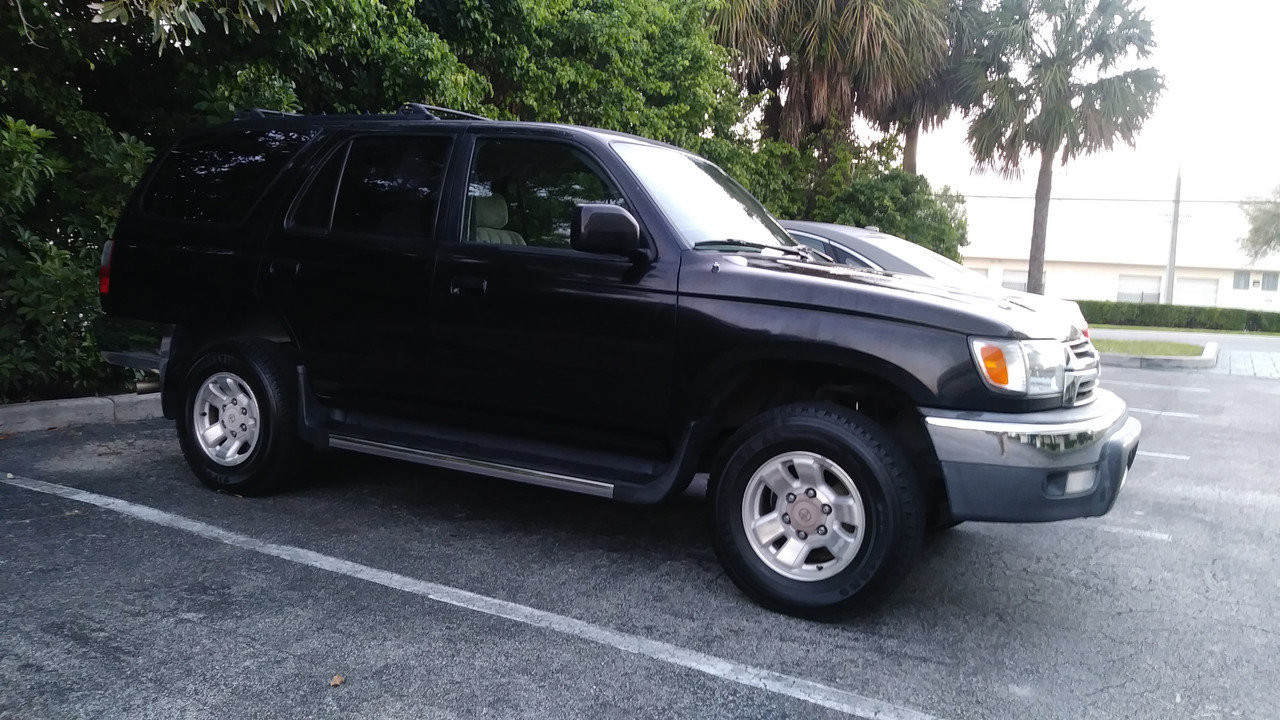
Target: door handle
[[284, 267], [460, 286]]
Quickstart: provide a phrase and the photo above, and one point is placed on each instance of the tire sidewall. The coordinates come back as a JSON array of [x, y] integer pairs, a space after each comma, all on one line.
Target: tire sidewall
[[264, 453], [872, 570]]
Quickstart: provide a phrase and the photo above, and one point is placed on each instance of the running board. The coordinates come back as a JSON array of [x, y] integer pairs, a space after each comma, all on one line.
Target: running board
[[479, 467]]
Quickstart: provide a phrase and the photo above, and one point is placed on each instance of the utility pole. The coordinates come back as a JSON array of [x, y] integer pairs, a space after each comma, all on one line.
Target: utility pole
[[1166, 291]]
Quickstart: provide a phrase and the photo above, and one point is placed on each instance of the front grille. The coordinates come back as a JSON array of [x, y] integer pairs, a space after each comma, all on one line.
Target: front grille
[[1082, 372]]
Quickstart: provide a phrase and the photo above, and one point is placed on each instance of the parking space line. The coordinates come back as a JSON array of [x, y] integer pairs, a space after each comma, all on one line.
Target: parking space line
[[1166, 456], [1126, 383], [754, 677], [1148, 534], [1164, 413]]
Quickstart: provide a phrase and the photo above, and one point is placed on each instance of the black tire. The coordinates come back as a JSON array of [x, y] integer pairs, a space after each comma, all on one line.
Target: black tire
[[894, 511], [277, 453]]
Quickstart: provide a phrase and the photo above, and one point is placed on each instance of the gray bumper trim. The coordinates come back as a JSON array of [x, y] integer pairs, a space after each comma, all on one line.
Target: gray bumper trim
[[1052, 439], [1010, 468]]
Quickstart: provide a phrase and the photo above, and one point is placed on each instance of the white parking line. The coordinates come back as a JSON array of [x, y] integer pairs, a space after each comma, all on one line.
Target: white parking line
[[1126, 383], [794, 687], [1149, 534], [1164, 413], [1166, 456]]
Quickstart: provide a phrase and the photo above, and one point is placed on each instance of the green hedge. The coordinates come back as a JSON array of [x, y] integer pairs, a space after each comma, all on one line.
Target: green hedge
[[1103, 312]]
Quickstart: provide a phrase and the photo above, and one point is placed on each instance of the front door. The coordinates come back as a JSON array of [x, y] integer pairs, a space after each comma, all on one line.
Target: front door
[[533, 334]]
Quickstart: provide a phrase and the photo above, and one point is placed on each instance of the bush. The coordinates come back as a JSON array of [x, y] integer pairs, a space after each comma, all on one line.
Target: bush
[[1104, 312], [55, 213]]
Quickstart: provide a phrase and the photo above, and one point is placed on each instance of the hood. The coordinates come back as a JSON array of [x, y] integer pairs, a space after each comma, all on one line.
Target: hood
[[1069, 309], [908, 298]]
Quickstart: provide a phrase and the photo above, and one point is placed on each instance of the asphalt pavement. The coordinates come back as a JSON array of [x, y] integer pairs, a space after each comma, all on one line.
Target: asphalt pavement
[[129, 591]]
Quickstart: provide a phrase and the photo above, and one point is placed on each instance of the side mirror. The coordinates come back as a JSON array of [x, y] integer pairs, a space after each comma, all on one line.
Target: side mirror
[[604, 229]]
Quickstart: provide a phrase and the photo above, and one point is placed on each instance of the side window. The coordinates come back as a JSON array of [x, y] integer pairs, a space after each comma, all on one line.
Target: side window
[[523, 192], [811, 241], [386, 186], [218, 177], [315, 210], [847, 258]]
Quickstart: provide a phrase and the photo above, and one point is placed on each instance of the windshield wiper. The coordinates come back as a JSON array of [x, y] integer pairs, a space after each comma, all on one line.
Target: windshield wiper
[[797, 250]]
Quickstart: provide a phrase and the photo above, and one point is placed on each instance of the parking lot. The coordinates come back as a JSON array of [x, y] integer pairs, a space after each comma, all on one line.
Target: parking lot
[[128, 591]]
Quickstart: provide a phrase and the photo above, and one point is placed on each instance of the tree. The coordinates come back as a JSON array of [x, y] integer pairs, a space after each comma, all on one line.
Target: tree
[[1264, 227], [1057, 88], [830, 57], [954, 84], [648, 67]]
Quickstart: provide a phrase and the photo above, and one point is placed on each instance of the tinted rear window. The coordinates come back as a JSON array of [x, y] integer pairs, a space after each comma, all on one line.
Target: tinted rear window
[[217, 177]]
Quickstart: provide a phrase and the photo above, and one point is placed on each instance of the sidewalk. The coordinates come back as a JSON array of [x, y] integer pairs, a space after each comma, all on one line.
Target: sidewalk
[[1242, 355], [48, 414]]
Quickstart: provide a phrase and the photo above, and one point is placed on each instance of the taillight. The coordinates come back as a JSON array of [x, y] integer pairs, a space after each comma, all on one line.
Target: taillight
[[104, 269]]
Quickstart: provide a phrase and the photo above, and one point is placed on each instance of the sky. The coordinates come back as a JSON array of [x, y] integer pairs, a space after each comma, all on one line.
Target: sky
[[1219, 119]]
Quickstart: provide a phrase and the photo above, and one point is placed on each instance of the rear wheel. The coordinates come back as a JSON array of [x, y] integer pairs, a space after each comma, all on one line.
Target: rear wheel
[[815, 512], [238, 430]]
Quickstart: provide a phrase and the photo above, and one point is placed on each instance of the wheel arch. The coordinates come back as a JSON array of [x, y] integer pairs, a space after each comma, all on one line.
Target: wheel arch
[[884, 392], [190, 340]]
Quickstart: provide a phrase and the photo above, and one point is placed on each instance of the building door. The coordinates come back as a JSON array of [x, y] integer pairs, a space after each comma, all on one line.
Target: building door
[[1202, 292]]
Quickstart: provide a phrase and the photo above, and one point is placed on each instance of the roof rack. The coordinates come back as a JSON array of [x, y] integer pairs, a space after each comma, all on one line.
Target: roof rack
[[252, 113], [433, 112]]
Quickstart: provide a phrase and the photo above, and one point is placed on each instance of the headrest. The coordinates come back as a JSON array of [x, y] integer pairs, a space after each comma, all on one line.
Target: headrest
[[491, 211]]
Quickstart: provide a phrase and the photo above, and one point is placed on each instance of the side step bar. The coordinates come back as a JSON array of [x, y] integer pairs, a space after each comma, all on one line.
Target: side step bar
[[479, 467]]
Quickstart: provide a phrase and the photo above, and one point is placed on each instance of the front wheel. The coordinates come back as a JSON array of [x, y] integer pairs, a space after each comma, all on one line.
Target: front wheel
[[815, 512], [238, 430]]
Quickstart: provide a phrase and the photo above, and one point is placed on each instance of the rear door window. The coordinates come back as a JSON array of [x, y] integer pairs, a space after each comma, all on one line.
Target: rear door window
[[390, 186], [218, 177]]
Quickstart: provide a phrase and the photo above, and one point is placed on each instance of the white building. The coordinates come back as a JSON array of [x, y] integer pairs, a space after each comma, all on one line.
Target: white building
[[1105, 250]]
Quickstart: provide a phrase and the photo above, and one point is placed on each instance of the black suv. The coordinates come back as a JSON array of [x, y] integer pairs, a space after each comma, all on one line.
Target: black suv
[[598, 313]]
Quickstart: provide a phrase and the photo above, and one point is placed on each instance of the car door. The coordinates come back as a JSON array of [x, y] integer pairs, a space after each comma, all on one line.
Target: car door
[[532, 335], [350, 268]]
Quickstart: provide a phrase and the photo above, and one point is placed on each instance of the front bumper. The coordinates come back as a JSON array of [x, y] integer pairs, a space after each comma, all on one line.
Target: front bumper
[[1035, 467]]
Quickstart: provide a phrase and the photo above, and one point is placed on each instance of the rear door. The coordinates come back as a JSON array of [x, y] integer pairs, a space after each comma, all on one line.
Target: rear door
[[350, 268]]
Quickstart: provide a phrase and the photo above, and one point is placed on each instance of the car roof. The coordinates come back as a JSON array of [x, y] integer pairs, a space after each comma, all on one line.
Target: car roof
[[414, 121]]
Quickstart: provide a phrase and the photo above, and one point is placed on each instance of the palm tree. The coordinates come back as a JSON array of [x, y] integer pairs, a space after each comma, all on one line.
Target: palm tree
[[1057, 88], [956, 83], [818, 60]]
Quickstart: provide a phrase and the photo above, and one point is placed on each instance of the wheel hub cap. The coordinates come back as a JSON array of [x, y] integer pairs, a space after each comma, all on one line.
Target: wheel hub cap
[[804, 516], [225, 419]]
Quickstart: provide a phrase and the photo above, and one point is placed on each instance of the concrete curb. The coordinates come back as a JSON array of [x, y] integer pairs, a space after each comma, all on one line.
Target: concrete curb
[[49, 414], [1206, 359]]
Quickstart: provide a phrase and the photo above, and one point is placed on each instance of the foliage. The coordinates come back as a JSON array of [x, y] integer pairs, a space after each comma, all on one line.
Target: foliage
[[174, 21], [47, 290], [647, 67], [846, 183], [1264, 227], [955, 83], [1099, 312], [1058, 87], [829, 59], [902, 204]]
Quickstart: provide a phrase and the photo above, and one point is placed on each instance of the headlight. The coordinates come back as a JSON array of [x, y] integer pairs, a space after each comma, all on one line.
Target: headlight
[[1032, 368]]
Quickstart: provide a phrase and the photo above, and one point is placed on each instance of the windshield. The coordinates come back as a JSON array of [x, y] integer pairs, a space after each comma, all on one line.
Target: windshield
[[703, 203], [939, 267]]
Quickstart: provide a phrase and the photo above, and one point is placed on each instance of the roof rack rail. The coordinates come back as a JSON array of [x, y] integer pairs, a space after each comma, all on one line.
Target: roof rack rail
[[433, 112], [252, 113]]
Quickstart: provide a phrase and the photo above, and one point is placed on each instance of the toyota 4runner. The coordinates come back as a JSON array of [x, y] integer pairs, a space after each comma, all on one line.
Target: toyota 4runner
[[597, 313]]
